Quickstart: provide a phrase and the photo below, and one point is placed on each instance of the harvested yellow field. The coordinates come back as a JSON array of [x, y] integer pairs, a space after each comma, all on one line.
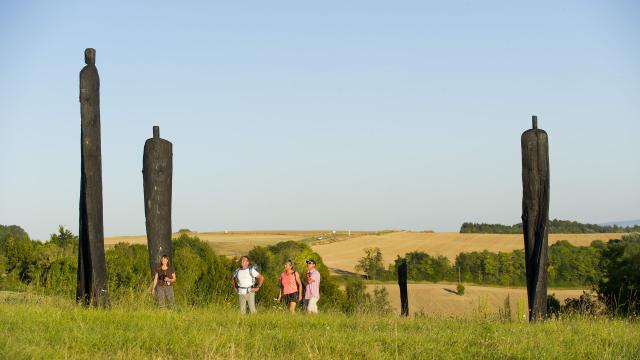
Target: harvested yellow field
[[344, 254], [236, 243], [441, 299], [230, 244]]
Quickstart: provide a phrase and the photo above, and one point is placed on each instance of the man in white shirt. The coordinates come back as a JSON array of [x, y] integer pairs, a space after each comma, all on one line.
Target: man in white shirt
[[244, 281]]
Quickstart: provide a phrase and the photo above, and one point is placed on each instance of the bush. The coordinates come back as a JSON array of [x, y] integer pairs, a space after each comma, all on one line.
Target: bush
[[619, 287], [359, 301], [380, 302], [586, 304], [203, 276], [460, 289], [553, 305], [357, 298]]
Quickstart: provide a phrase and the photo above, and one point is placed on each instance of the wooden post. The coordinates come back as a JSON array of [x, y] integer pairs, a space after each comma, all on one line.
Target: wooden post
[[402, 282], [535, 216], [157, 173], [92, 274]]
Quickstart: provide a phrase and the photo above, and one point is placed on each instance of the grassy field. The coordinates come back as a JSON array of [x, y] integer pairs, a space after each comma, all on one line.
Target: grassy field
[[343, 254], [442, 300], [46, 329], [238, 243]]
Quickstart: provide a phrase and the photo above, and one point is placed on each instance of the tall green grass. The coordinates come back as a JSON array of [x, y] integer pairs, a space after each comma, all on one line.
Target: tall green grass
[[52, 328]]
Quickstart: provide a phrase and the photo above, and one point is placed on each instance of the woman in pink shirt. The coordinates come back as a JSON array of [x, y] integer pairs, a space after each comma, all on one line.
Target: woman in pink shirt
[[290, 286]]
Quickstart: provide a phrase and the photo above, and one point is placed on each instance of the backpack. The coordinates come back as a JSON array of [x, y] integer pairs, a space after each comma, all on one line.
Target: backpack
[[253, 278]]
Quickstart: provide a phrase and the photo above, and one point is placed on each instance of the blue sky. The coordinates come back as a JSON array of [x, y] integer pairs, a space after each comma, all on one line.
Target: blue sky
[[334, 115]]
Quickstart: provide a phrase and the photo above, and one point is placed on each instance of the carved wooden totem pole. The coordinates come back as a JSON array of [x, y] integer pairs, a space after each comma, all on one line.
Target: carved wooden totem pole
[[402, 282], [535, 216], [157, 172], [92, 274]]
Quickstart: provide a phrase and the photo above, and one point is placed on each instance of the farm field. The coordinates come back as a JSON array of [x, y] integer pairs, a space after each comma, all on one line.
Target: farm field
[[235, 243], [441, 300], [343, 254]]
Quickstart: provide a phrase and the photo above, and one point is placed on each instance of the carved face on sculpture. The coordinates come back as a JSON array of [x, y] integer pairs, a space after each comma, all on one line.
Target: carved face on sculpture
[[90, 56]]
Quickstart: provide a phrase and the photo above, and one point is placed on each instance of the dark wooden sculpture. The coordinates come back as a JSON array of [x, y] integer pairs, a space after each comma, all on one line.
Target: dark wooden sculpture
[[402, 282], [92, 274], [157, 172], [535, 216]]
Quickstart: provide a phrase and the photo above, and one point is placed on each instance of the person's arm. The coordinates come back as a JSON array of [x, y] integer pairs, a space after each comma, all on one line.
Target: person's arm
[[155, 282], [260, 280], [299, 282], [233, 282], [172, 278]]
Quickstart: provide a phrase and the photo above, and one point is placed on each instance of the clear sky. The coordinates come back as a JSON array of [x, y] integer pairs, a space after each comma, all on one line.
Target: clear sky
[[323, 115]]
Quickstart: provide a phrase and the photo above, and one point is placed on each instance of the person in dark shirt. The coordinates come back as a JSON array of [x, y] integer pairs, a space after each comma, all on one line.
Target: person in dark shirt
[[163, 281]]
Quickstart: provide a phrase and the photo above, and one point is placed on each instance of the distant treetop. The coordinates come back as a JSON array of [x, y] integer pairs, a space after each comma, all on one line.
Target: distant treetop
[[556, 226]]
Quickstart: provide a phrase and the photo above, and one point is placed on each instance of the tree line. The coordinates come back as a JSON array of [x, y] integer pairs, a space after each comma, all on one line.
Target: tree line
[[50, 268], [556, 226]]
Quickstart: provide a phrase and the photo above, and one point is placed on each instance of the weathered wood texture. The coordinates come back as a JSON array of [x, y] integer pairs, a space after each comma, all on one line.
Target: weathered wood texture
[[535, 216], [92, 274], [402, 282], [157, 172]]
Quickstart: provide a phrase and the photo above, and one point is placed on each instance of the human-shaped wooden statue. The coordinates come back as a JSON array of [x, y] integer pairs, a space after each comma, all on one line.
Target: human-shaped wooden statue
[[157, 172], [535, 216], [92, 274]]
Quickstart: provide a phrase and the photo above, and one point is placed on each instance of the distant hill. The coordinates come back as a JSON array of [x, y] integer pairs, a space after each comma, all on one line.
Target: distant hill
[[556, 226]]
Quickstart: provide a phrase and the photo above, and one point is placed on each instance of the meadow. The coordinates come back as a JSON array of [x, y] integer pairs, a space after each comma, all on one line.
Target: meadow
[[36, 327]]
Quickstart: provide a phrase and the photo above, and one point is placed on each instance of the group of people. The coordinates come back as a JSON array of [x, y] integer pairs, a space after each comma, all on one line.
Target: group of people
[[247, 281]]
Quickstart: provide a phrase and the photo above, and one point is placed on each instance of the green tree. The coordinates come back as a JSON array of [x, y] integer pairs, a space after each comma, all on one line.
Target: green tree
[[372, 264], [619, 286]]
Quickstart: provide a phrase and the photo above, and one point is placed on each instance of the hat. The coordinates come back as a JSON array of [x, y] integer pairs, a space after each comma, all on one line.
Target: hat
[[311, 261]]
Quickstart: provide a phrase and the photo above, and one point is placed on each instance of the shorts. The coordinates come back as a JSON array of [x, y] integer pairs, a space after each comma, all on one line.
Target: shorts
[[289, 298]]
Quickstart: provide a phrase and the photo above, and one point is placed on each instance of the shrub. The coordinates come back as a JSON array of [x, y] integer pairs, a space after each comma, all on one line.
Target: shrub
[[586, 304], [619, 287], [357, 299], [380, 302], [553, 305]]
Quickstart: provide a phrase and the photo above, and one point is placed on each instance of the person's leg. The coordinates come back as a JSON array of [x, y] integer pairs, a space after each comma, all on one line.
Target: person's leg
[[171, 301], [251, 299], [160, 296], [313, 306], [241, 302], [292, 307]]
